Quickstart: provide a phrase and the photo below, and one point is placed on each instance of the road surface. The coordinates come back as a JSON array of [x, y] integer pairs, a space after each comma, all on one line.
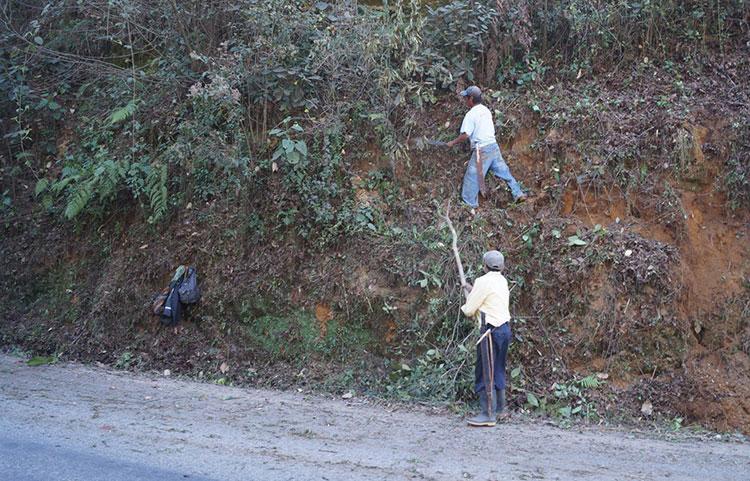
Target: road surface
[[69, 422]]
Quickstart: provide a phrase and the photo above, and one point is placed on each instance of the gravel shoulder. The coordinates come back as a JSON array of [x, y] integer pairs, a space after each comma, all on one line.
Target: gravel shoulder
[[89, 420]]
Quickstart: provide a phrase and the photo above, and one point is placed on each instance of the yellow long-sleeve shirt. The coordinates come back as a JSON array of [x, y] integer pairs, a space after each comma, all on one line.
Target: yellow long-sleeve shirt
[[490, 295]]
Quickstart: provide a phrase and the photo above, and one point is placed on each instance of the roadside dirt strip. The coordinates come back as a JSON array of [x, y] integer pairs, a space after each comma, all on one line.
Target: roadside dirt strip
[[73, 422]]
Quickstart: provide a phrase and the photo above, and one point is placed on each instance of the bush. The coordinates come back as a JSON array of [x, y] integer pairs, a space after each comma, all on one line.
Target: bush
[[736, 179], [171, 105]]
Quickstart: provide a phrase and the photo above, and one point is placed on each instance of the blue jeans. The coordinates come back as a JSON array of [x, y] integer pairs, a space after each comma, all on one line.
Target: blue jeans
[[500, 342], [492, 160]]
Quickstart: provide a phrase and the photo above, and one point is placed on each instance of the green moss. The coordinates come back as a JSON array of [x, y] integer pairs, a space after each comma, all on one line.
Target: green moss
[[297, 334]]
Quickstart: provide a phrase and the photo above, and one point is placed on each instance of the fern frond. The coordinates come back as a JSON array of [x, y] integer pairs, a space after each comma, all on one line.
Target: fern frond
[[41, 186], [79, 198], [156, 188], [590, 382], [109, 174], [123, 113]]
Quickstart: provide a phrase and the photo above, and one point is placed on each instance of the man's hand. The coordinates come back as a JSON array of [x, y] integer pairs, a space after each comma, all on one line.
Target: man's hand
[[457, 140], [467, 289]]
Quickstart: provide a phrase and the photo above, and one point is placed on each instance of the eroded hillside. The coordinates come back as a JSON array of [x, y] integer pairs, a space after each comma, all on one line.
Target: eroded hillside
[[321, 249]]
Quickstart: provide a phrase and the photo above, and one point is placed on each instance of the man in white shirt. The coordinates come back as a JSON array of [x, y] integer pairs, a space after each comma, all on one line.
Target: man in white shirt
[[488, 301], [478, 127]]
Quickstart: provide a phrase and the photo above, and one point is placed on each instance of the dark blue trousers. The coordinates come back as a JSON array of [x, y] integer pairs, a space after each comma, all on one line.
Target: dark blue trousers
[[500, 341]]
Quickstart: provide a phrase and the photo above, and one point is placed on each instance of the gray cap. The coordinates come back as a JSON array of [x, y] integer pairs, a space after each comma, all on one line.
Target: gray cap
[[471, 91], [494, 260]]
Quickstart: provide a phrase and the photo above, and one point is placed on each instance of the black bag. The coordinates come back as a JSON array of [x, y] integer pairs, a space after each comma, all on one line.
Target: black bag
[[158, 302], [172, 308], [189, 291], [183, 289]]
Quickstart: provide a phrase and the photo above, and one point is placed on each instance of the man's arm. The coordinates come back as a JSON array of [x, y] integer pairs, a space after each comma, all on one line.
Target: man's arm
[[467, 127], [475, 299], [459, 139]]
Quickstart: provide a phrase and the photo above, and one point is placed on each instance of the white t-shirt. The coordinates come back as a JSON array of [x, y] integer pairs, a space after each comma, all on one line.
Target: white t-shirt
[[478, 126]]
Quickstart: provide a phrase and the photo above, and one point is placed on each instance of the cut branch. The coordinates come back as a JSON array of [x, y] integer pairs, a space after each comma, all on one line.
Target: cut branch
[[454, 246]]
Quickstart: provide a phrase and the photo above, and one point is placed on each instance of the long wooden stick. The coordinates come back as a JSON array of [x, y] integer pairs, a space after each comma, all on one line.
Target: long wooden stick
[[454, 246]]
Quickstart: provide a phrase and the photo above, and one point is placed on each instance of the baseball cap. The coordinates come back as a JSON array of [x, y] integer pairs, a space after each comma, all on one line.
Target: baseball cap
[[473, 91], [494, 260]]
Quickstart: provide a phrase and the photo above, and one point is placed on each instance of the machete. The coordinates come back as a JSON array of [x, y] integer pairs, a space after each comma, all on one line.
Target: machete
[[422, 142]]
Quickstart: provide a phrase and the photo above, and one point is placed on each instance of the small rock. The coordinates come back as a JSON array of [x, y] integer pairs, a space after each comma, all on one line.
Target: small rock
[[647, 408], [348, 395], [628, 253], [167, 373]]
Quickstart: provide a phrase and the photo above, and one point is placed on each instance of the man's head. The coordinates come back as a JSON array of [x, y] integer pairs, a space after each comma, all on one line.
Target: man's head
[[494, 261], [473, 95]]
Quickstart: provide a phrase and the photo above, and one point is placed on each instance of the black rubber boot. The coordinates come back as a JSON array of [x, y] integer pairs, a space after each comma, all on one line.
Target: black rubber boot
[[483, 419]]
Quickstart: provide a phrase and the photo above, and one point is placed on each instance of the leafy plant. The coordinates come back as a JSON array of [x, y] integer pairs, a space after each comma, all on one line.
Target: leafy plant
[[574, 240], [290, 150], [41, 360], [123, 113], [125, 360], [569, 399]]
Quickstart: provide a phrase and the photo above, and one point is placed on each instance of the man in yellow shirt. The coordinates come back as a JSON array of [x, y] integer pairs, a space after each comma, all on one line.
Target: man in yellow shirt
[[488, 301]]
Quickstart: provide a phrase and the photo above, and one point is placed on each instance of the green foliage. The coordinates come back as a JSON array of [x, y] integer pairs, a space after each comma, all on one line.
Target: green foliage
[[41, 361], [123, 113], [297, 335], [461, 30], [319, 201], [435, 375], [676, 423], [569, 399], [202, 110], [584, 31], [292, 151], [589, 382], [78, 198], [736, 178], [156, 189], [440, 361], [6, 201], [125, 360]]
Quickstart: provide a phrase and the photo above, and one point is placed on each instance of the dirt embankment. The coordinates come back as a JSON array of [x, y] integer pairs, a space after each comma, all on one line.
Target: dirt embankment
[[655, 300], [706, 284]]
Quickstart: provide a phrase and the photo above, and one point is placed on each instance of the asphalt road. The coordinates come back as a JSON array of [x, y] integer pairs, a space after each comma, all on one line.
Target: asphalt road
[[73, 423]]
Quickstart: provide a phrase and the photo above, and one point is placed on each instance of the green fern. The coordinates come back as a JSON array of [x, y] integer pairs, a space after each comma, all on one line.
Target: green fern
[[156, 188], [81, 196], [62, 184], [590, 382], [41, 186], [123, 113], [108, 176]]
